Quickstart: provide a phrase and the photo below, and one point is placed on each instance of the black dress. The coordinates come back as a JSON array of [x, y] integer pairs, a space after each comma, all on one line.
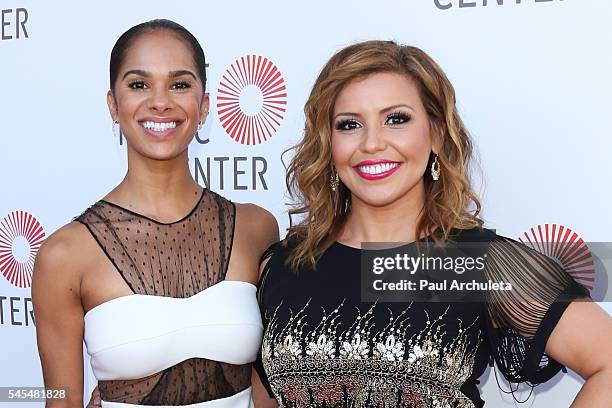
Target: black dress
[[324, 347]]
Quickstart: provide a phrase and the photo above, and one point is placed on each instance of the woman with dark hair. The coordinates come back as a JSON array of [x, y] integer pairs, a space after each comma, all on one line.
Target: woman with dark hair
[[157, 277], [385, 159]]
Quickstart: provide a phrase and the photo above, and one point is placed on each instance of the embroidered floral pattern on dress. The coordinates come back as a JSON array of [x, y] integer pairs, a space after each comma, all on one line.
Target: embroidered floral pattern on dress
[[366, 366]]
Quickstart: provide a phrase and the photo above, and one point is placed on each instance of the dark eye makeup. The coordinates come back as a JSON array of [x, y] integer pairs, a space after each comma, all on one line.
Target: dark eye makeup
[[393, 119], [347, 124], [397, 118]]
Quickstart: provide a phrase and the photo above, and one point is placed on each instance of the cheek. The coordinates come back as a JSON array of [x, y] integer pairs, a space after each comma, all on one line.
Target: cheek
[[342, 148], [189, 102], [415, 145], [128, 104]]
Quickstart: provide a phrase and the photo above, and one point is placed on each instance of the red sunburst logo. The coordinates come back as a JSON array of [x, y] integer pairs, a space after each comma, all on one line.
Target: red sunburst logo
[[20, 237], [251, 99], [566, 247]]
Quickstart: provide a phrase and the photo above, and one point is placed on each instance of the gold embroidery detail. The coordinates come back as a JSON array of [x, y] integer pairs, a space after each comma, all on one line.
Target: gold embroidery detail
[[323, 367]]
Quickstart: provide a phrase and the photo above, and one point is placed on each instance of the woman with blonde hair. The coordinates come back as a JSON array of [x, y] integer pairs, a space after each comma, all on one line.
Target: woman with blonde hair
[[385, 158]]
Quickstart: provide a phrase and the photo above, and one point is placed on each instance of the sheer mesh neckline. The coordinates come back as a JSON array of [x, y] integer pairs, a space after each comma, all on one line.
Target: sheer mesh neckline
[[195, 207], [178, 260]]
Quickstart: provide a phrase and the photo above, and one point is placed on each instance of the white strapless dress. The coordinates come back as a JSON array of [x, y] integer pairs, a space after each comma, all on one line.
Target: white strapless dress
[[136, 336]]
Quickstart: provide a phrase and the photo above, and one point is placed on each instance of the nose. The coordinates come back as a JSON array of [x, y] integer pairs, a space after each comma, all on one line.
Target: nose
[[160, 101], [374, 140]]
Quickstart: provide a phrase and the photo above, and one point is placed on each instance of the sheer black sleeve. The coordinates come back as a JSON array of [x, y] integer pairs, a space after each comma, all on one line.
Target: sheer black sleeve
[[521, 320], [269, 258]]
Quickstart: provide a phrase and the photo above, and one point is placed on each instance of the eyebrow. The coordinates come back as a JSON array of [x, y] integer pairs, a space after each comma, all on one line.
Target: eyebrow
[[181, 72], [171, 74], [385, 110], [393, 107]]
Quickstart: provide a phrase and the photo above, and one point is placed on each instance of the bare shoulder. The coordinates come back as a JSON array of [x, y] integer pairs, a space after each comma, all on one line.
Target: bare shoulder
[[63, 242], [58, 253], [257, 223], [255, 230]]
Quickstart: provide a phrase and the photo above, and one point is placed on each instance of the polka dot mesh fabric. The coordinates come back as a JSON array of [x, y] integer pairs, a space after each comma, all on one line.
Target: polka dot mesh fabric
[[176, 259]]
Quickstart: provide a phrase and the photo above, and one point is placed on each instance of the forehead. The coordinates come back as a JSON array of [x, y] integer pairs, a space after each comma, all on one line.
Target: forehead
[[159, 51], [377, 91]]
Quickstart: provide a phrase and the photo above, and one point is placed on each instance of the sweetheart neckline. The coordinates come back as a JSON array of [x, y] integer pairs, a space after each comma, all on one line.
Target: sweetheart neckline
[[163, 297]]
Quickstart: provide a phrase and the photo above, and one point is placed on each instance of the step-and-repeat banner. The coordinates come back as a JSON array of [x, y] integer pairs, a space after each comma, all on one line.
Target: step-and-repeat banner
[[532, 79]]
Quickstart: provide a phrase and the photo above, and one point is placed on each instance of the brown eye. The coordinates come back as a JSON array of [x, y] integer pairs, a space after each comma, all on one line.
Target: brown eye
[[347, 125], [181, 85], [397, 118], [136, 85]]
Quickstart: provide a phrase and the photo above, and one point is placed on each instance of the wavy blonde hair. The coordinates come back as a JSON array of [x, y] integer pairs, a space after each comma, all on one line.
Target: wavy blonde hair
[[449, 203]]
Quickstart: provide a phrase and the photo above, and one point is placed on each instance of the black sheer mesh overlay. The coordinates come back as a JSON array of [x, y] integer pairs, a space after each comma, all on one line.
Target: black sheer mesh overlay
[[521, 320], [178, 260]]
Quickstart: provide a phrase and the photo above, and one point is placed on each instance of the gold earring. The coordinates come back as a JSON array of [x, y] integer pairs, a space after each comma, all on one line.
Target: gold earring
[[334, 180], [435, 169]]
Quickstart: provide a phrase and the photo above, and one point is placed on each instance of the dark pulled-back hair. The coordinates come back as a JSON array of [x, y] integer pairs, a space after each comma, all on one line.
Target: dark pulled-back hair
[[127, 39]]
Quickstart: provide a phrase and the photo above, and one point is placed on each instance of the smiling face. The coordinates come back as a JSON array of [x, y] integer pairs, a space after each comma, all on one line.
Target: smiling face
[[381, 140], [158, 98]]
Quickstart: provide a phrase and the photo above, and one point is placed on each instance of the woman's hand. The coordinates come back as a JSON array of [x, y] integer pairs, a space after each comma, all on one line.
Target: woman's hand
[[95, 401]]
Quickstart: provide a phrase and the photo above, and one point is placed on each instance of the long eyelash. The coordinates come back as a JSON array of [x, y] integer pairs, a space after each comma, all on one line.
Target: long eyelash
[[183, 84], [136, 82], [399, 115], [340, 125]]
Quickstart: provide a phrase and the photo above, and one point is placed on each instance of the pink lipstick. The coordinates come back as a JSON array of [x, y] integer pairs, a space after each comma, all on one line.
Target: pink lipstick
[[376, 169]]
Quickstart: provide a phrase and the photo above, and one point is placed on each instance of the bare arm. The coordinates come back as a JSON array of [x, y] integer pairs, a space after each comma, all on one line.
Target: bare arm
[[582, 341], [59, 317]]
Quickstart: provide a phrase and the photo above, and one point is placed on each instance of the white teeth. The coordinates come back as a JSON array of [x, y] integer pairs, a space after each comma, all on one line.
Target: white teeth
[[378, 168], [158, 126]]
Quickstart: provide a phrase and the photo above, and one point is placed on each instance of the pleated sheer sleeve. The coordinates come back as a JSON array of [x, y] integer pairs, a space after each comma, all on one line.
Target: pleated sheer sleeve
[[520, 320]]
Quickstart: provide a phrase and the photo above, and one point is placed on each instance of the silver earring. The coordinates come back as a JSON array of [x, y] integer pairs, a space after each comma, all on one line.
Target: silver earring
[[197, 133], [435, 169], [115, 126], [334, 180]]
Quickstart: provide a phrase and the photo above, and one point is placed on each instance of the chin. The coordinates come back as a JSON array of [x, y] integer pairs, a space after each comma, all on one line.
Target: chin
[[160, 154], [378, 200], [165, 156]]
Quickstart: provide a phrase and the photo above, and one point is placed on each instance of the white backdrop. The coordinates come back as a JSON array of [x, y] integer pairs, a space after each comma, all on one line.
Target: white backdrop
[[532, 80]]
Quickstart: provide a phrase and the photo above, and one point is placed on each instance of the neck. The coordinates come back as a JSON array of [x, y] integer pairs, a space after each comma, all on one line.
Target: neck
[[394, 222], [162, 189]]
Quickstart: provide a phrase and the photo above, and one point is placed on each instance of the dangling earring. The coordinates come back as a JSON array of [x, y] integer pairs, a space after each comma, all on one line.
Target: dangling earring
[[198, 131], [115, 126], [334, 180], [435, 169]]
